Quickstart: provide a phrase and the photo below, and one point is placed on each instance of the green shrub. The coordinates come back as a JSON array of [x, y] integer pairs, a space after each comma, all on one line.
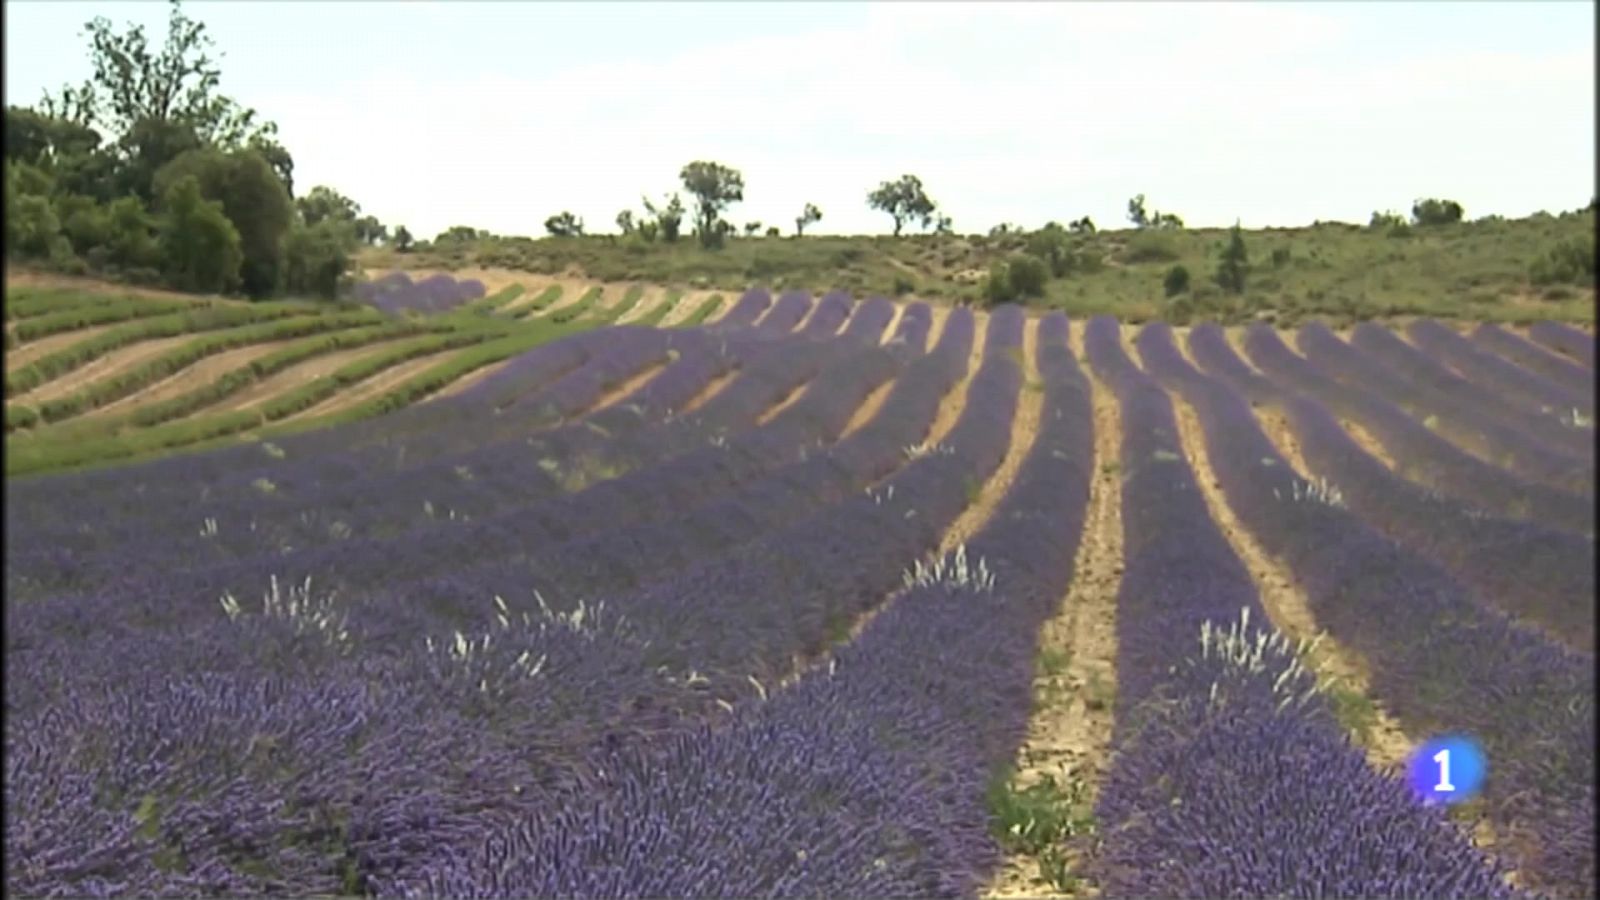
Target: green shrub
[[1436, 212], [1176, 282], [1028, 275], [1569, 262], [903, 286], [1150, 246], [1280, 257]]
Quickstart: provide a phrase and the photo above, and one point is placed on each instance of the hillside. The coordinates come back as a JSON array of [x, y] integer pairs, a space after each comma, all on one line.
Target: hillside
[[1480, 270]]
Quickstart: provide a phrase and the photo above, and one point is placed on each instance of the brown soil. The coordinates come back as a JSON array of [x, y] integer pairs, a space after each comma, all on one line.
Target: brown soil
[[712, 389], [952, 404], [467, 380], [296, 376], [653, 297], [29, 352], [692, 300], [1369, 443], [371, 387], [1024, 431], [1070, 733], [939, 314], [571, 290], [187, 379], [621, 391], [868, 409], [108, 366], [894, 323], [789, 400]]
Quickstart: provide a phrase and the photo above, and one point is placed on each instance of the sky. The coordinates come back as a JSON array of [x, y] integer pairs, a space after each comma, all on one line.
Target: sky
[[498, 114]]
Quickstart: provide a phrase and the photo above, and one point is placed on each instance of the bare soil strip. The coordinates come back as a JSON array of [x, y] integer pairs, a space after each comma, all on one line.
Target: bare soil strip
[[371, 387], [1024, 432], [940, 314], [894, 324], [296, 376], [187, 379], [788, 400], [712, 389], [467, 380], [1070, 734], [571, 290], [869, 408], [621, 391], [110, 365], [955, 401], [33, 350], [653, 297], [692, 300]]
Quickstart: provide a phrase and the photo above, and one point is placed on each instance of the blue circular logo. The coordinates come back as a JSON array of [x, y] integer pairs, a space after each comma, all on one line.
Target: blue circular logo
[[1448, 769]]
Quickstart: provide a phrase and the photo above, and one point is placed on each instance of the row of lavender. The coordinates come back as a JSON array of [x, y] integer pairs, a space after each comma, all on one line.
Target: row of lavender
[[300, 503], [507, 515], [866, 775], [1441, 658], [407, 806], [1447, 402], [1228, 764], [1541, 574], [425, 430], [396, 293]]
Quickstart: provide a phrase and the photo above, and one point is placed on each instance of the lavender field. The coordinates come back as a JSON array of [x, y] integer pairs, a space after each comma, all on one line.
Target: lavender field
[[801, 602]]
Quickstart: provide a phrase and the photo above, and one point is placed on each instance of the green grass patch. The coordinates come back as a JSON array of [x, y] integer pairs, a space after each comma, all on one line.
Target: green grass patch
[[573, 312], [494, 301], [1039, 820], [118, 309], [653, 318], [30, 303], [629, 301], [706, 310], [540, 303]]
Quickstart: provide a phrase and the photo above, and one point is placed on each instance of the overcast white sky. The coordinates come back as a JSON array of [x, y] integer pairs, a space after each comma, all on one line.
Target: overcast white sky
[[498, 114]]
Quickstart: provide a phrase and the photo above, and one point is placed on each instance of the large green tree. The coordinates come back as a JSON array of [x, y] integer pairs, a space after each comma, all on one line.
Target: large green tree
[[200, 248], [904, 199], [254, 200], [714, 186]]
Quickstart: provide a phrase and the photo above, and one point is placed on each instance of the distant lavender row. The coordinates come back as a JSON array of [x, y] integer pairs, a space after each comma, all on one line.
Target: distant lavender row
[[396, 293], [383, 553], [1418, 453], [1438, 661], [1565, 339], [1540, 574], [866, 777], [601, 556], [1486, 368], [1530, 420], [1463, 421], [1274, 800], [1531, 356]]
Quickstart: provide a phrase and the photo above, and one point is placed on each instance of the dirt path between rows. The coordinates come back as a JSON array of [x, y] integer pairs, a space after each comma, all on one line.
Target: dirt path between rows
[[955, 401], [379, 382], [870, 408], [296, 376], [653, 297], [1069, 737], [200, 374], [571, 290], [693, 300], [110, 365], [893, 325], [1024, 433], [33, 350], [712, 389], [625, 389]]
